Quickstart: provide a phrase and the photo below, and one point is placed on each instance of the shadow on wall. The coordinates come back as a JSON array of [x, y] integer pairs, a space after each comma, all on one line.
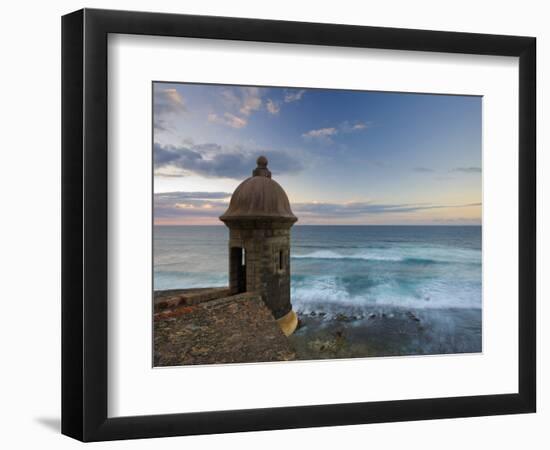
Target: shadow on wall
[[52, 423]]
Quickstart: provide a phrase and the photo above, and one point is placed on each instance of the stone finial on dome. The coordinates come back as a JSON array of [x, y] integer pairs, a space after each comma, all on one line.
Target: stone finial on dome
[[261, 170], [259, 198]]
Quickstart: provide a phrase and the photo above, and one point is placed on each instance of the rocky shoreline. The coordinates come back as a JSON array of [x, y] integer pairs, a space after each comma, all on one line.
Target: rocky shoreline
[[195, 326], [387, 332]]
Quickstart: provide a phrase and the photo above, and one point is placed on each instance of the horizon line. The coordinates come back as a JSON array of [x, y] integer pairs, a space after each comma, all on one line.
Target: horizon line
[[334, 225]]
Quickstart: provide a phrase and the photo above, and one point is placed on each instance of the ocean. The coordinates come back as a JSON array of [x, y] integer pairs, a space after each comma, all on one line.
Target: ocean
[[431, 274], [342, 267]]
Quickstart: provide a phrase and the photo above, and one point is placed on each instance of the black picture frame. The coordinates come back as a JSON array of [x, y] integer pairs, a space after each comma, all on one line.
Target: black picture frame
[[84, 224]]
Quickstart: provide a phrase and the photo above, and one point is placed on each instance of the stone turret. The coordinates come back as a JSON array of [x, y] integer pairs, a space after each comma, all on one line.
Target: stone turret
[[259, 219]]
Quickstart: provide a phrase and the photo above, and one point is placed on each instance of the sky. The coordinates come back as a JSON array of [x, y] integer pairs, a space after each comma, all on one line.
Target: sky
[[343, 157]]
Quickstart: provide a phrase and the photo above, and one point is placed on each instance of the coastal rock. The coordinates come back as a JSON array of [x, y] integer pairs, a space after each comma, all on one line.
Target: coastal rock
[[319, 345], [340, 317]]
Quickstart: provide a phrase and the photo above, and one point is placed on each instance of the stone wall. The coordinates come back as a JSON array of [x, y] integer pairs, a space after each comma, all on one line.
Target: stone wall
[[169, 299], [234, 329], [263, 269]]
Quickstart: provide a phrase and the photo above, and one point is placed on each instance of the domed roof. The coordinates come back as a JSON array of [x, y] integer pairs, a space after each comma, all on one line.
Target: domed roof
[[259, 197]]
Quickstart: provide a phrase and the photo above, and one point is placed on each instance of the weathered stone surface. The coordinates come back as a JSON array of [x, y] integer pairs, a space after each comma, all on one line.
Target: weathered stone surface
[[234, 329], [259, 198], [179, 297]]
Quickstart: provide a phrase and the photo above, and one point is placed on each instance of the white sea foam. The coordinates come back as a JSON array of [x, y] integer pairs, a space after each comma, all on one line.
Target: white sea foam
[[330, 254], [330, 295], [401, 254]]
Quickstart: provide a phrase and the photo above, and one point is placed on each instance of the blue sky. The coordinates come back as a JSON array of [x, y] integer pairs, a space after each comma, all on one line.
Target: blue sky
[[343, 157]]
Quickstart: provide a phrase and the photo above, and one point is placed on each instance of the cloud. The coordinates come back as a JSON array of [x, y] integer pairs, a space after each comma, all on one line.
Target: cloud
[[170, 205], [212, 160], [160, 124], [272, 106], [351, 127], [174, 96], [244, 100], [293, 95], [359, 208], [206, 207], [180, 196], [230, 98], [163, 156], [325, 134], [228, 119], [322, 134], [467, 169], [167, 101], [423, 169], [251, 100]]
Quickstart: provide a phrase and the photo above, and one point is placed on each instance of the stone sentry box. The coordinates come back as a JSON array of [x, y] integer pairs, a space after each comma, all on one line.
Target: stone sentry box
[[259, 219]]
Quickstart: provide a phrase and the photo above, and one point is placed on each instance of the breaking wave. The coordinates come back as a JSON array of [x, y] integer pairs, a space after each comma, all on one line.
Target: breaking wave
[[332, 294], [423, 255]]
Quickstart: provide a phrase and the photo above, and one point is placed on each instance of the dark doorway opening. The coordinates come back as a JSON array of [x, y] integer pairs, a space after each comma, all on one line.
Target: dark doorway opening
[[238, 263]]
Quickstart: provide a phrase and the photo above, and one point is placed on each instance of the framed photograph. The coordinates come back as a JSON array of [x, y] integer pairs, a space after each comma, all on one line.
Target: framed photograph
[[273, 224]]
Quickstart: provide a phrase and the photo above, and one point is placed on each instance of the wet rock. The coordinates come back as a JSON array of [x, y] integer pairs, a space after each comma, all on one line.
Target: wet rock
[[372, 316], [322, 345], [343, 318], [411, 316]]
